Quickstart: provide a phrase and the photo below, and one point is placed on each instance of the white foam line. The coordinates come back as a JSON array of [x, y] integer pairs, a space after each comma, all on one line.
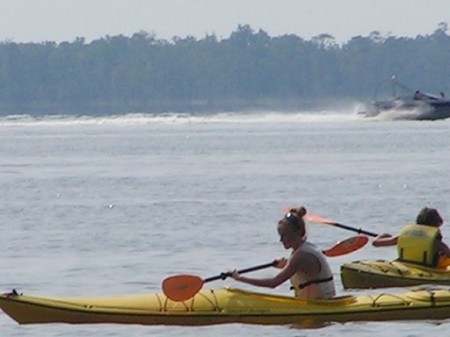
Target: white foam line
[[179, 118]]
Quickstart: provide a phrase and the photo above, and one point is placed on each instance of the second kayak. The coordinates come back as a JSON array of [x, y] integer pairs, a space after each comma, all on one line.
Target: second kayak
[[366, 274]]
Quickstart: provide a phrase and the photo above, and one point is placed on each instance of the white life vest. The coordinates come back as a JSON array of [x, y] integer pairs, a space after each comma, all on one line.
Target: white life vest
[[321, 287]]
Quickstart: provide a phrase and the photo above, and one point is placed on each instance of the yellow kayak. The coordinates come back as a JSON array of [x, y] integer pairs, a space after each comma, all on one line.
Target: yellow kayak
[[226, 305], [382, 273]]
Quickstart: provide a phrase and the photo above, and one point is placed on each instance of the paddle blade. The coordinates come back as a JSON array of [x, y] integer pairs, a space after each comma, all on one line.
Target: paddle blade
[[319, 219], [347, 246], [181, 287], [444, 262]]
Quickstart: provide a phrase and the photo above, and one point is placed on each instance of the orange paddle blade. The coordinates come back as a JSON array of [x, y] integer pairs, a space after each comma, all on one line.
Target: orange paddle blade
[[319, 219], [313, 217], [444, 262], [347, 246], [181, 287]]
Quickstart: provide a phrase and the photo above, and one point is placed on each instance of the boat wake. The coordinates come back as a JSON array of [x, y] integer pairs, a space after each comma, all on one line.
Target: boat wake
[[184, 118], [400, 114]]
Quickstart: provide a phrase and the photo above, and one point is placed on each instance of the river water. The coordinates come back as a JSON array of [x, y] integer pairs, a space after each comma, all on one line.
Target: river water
[[112, 206]]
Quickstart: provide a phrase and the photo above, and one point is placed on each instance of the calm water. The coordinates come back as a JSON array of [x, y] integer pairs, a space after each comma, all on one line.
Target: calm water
[[113, 206]]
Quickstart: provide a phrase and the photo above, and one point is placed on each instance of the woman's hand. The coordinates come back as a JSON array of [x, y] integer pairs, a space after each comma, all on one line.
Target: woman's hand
[[235, 275], [384, 235], [384, 240], [280, 263]]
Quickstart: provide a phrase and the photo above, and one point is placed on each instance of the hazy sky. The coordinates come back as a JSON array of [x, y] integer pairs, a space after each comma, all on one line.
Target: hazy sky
[[64, 20]]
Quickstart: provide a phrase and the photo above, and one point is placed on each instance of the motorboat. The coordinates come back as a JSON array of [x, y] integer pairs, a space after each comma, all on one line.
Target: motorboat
[[415, 105]]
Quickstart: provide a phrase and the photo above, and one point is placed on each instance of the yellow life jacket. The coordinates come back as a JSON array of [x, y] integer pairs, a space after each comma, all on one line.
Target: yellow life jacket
[[418, 244]]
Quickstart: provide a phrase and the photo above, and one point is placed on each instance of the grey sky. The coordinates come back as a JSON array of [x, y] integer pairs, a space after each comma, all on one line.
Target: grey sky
[[64, 20]]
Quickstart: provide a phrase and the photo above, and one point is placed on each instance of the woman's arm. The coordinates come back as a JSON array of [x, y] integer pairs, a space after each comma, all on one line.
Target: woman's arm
[[385, 240], [270, 282]]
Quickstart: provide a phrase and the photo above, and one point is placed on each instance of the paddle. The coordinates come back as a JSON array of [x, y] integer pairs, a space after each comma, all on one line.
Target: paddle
[[346, 246], [184, 287], [444, 262], [319, 219]]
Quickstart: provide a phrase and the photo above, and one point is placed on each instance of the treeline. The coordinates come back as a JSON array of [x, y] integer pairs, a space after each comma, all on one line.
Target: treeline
[[247, 70]]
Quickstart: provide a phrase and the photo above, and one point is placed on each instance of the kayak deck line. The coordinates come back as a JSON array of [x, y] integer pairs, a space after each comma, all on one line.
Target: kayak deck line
[[189, 305], [404, 267], [226, 305], [366, 274]]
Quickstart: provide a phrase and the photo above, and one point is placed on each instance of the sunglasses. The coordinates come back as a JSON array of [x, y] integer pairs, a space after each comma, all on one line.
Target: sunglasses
[[291, 218]]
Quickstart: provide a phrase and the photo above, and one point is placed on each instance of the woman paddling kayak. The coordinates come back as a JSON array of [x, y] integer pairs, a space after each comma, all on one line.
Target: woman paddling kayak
[[307, 268]]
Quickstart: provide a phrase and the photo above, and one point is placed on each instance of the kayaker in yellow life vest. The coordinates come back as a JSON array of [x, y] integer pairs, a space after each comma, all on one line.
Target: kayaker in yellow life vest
[[307, 267], [421, 242]]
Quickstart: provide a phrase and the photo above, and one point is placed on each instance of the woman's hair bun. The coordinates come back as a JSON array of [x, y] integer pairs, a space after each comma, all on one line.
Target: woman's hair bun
[[299, 211]]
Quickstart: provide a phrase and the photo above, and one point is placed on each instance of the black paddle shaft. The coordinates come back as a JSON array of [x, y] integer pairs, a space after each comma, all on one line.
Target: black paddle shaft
[[357, 230], [223, 276]]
